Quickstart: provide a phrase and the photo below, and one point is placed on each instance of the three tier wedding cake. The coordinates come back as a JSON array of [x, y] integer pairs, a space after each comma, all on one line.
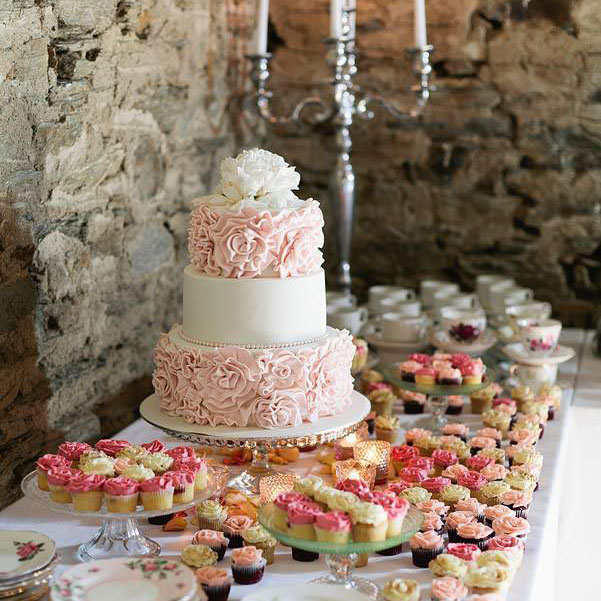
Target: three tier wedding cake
[[254, 348]]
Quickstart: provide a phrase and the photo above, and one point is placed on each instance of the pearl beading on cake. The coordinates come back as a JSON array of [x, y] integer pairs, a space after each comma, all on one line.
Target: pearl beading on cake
[[268, 345]]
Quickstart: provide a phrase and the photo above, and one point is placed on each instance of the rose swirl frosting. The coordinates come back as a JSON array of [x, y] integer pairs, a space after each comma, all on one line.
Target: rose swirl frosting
[[246, 556], [210, 538], [511, 524], [448, 588]]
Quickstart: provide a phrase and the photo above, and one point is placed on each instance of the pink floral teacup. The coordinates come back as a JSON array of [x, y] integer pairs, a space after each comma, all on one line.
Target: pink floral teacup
[[540, 338]]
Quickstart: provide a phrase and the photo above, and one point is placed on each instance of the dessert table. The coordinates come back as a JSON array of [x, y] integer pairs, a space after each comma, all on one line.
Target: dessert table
[[551, 539]]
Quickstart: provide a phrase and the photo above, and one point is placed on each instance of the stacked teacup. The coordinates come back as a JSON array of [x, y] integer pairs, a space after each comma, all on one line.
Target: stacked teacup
[[343, 313]]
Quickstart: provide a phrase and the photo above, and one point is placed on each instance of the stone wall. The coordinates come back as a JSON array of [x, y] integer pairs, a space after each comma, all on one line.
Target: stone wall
[[504, 173], [114, 116]]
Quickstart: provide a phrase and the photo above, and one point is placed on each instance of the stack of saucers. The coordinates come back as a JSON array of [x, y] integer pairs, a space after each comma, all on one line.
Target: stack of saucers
[[27, 561]]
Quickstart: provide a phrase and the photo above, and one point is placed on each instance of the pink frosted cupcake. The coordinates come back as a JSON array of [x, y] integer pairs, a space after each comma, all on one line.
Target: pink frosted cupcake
[[215, 583], [455, 519], [181, 452], [111, 446], [422, 463], [426, 378], [73, 451], [408, 369], [511, 525], [434, 506], [154, 446], [86, 491], [413, 402], [517, 501], [478, 462], [449, 376], [494, 472], [477, 443], [431, 522], [474, 533], [214, 539], [44, 463], [58, 478], [396, 487], [523, 437], [183, 485], [455, 404], [425, 546], [493, 512], [509, 544], [193, 464], [459, 430], [420, 358], [472, 480], [279, 516], [472, 373], [121, 495], [454, 471], [473, 506], [333, 527], [412, 475], [493, 433], [435, 485], [448, 588], [354, 485], [234, 526], [301, 524], [467, 552], [248, 565], [400, 455], [157, 493], [443, 459]]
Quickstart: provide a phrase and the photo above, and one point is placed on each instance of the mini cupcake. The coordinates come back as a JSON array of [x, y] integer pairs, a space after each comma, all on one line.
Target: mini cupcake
[[210, 515], [73, 451], [301, 524], [427, 445], [423, 463], [183, 486], [44, 463], [412, 475], [214, 539], [421, 358], [527, 456], [58, 478], [353, 485], [493, 418], [156, 493], [443, 459], [416, 433], [432, 522], [134, 451], [506, 404], [180, 452], [467, 552], [258, 537], [413, 402], [382, 401], [481, 400], [101, 465], [497, 454], [387, 428], [472, 373], [509, 544], [517, 501], [457, 429], [215, 583], [477, 463], [119, 465], [234, 527], [197, 466], [370, 522], [473, 506], [396, 509], [490, 492], [159, 463], [448, 588], [511, 525], [136, 472], [524, 436], [425, 377], [446, 564], [494, 472], [477, 443], [449, 376], [523, 482], [488, 579], [454, 471], [495, 511], [400, 589], [370, 376], [501, 559], [454, 520], [455, 404], [493, 433], [435, 485], [521, 395], [415, 495], [474, 533], [400, 455], [248, 565], [154, 446], [457, 446], [198, 556], [396, 487], [333, 527], [434, 506], [279, 514], [425, 546], [474, 481], [454, 493], [408, 370], [86, 491], [308, 485], [121, 495], [111, 447]]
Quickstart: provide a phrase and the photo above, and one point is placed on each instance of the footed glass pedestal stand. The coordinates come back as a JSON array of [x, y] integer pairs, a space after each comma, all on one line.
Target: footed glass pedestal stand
[[259, 440], [437, 394], [341, 558]]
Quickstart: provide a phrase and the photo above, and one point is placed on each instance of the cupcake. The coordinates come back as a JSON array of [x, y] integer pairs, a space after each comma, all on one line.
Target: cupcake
[[443, 459], [521, 481], [493, 418], [435, 485], [370, 376], [234, 527], [214, 539], [416, 433], [400, 455], [197, 466], [511, 525], [494, 472], [121, 464], [121, 495], [301, 524], [473, 481], [505, 404], [474, 533], [381, 401], [370, 522], [427, 445], [248, 565], [396, 487], [425, 546], [408, 370], [258, 537], [454, 493], [44, 463], [136, 472], [456, 445], [488, 579], [481, 400], [421, 358], [57, 479], [454, 520], [339, 500], [214, 582], [412, 475], [495, 511], [360, 356], [493, 433], [454, 471], [279, 515], [425, 377], [183, 486], [433, 506], [353, 485], [333, 527], [159, 463], [198, 556], [446, 564], [396, 509], [524, 436], [509, 544], [413, 402], [449, 376], [400, 589], [73, 451], [467, 552], [497, 454], [455, 404], [490, 492], [387, 428], [134, 451], [499, 559], [517, 501], [415, 495], [111, 446], [521, 395], [473, 506], [459, 430], [431, 522], [478, 462], [102, 465], [423, 463], [154, 446], [472, 373], [156, 493], [86, 491], [527, 456], [448, 588], [477, 443], [210, 515]]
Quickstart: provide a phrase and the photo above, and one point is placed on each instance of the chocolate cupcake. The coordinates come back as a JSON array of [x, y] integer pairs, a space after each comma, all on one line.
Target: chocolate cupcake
[[248, 565], [425, 546]]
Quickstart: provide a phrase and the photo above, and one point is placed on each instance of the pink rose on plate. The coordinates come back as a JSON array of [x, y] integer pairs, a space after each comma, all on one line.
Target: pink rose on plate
[[243, 244], [281, 370], [27, 550], [283, 408], [200, 243]]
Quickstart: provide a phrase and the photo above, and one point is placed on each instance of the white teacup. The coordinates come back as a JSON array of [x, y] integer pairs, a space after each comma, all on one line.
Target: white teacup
[[460, 300], [428, 288], [540, 338], [401, 328], [410, 308], [463, 325], [340, 299], [396, 294], [500, 296], [525, 314], [534, 376], [486, 281], [376, 293], [348, 318]]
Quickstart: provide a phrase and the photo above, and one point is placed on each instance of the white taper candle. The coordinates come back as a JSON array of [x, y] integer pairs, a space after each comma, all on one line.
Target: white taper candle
[[335, 18], [259, 42], [421, 38]]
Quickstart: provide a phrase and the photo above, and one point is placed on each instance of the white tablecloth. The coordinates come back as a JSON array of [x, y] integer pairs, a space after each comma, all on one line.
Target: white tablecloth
[[535, 580]]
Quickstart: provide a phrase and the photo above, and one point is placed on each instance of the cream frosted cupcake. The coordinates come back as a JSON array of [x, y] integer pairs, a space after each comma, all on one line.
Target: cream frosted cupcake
[[490, 492], [387, 428], [44, 463], [370, 522], [156, 493], [86, 491], [400, 589], [198, 556], [121, 495], [133, 451], [58, 478], [123, 463], [509, 544], [454, 493], [339, 500], [211, 515], [258, 537], [497, 454], [183, 486], [309, 485], [488, 579], [416, 495], [102, 466], [136, 472], [448, 565], [498, 558], [381, 401], [521, 481], [159, 463], [333, 527]]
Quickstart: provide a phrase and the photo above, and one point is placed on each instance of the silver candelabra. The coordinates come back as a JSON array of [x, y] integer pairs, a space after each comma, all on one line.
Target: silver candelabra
[[346, 102]]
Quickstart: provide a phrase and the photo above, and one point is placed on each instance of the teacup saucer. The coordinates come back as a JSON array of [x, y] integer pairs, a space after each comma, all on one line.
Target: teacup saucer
[[378, 341], [444, 342], [518, 353]]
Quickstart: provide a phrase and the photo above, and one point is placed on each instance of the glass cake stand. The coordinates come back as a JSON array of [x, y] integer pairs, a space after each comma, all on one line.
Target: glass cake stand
[[437, 394], [119, 535], [259, 440], [341, 559]]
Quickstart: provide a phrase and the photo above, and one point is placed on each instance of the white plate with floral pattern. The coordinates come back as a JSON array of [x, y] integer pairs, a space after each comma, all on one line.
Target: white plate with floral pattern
[[23, 552], [123, 579]]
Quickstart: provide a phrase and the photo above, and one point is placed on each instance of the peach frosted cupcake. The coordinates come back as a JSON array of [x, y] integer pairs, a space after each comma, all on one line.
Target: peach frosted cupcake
[[215, 583], [121, 495], [248, 565], [44, 463], [86, 491], [425, 546], [474, 533], [454, 520], [214, 539], [496, 511], [448, 588], [234, 527], [157, 493], [511, 525]]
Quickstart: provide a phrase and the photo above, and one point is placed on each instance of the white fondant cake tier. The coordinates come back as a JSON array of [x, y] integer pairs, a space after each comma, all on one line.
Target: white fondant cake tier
[[269, 388], [257, 311]]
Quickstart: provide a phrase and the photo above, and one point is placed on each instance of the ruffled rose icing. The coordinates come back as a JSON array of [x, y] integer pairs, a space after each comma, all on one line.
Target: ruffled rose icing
[[422, 463], [73, 450], [123, 463], [308, 485], [444, 458], [285, 498], [512, 525], [61, 476], [465, 551], [137, 472], [482, 442], [400, 589], [416, 494], [180, 452], [156, 484], [247, 556], [180, 479], [403, 453], [472, 505], [435, 485], [496, 511], [368, 513], [155, 446], [420, 358], [157, 462], [454, 493], [494, 471], [134, 451], [111, 446], [515, 498], [523, 436], [433, 506], [121, 486], [413, 475], [448, 565], [237, 524], [209, 576], [303, 512], [499, 558], [426, 540], [192, 464], [455, 429], [448, 589], [333, 521], [474, 530], [105, 466], [210, 538], [339, 500], [394, 506], [454, 471], [81, 483], [472, 480], [505, 541], [210, 509], [198, 556], [456, 518], [45, 462], [354, 485], [490, 576], [257, 534], [431, 522], [416, 433], [490, 433], [477, 462]]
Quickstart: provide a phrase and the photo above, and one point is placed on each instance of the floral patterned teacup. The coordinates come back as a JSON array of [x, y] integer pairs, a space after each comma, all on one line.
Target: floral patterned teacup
[[540, 338], [463, 325]]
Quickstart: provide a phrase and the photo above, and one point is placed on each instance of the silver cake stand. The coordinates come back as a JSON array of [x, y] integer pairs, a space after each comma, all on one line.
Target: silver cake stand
[[259, 440]]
